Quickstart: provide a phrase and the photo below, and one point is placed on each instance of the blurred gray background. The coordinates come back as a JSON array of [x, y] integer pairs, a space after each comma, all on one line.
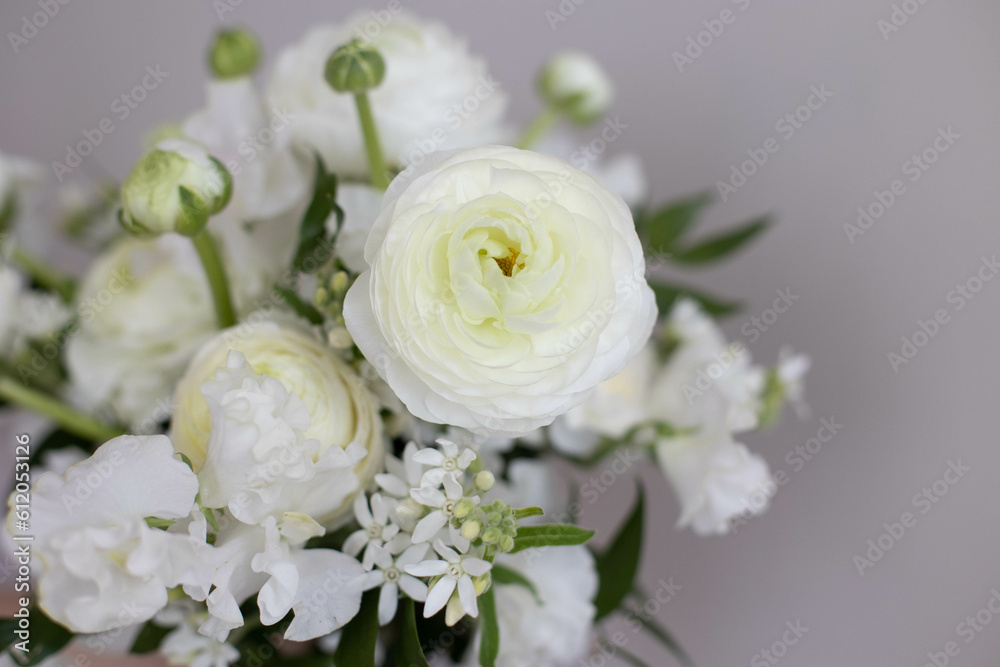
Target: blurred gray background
[[890, 97]]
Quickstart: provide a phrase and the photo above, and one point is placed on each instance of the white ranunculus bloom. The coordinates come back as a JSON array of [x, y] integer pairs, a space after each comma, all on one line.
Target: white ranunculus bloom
[[259, 462], [271, 183], [314, 407], [715, 479], [144, 309], [573, 82], [435, 95], [103, 567], [361, 204], [504, 286]]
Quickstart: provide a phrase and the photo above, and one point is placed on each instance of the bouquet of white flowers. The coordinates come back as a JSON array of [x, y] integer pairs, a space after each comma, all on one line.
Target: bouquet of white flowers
[[317, 383]]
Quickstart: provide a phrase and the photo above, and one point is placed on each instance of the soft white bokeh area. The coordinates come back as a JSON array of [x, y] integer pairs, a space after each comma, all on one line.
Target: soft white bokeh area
[[856, 301]]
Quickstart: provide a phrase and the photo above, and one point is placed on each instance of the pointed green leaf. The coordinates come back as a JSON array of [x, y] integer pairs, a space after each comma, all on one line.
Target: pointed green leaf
[[664, 228], [618, 565], [311, 254], [506, 576], [357, 641], [489, 645], [550, 535], [667, 296], [721, 245], [410, 652]]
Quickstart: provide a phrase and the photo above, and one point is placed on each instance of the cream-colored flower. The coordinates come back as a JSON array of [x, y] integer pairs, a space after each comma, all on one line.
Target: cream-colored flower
[[330, 406], [435, 94], [504, 286], [143, 310]]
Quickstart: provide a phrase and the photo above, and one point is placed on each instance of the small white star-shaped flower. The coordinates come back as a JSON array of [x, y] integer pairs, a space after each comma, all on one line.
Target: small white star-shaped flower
[[391, 575], [443, 505], [455, 587], [449, 461], [376, 531]]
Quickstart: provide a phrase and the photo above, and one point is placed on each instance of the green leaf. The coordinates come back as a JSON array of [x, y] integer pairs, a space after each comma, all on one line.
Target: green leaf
[[301, 308], [618, 565], [312, 232], [149, 638], [506, 576], [489, 646], [357, 641], [525, 512], [668, 295], [154, 522], [550, 535], [410, 652], [721, 245], [664, 637], [665, 228]]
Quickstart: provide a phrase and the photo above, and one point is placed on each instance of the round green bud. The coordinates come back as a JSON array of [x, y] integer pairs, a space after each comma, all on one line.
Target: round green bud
[[577, 86], [492, 535], [234, 53], [485, 480], [174, 188], [355, 67], [482, 582], [506, 543], [463, 508]]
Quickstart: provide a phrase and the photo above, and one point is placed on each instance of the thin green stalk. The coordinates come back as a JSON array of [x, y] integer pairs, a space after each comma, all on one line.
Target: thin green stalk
[[660, 633], [538, 128], [75, 422], [376, 161], [216, 273], [43, 274]]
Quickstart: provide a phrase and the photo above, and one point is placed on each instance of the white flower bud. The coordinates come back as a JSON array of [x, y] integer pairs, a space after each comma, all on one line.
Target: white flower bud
[[174, 188], [485, 480], [470, 529], [575, 84]]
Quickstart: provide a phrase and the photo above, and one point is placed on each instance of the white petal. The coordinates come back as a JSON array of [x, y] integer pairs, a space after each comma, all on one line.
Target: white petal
[[361, 511], [388, 598], [448, 554], [355, 542], [437, 597], [427, 568], [392, 484], [429, 526], [429, 456], [379, 509], [329, 593], [477, 567], [413, 587], [467, 594]]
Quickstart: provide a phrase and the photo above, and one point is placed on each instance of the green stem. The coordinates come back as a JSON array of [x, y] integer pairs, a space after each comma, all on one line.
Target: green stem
[[376, 161], [68, 418], [660, 633], [538, 127], [216, 273], [43, 274]]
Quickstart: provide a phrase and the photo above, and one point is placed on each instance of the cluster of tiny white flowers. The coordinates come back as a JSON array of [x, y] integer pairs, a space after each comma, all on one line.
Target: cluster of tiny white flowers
[[431, 498]]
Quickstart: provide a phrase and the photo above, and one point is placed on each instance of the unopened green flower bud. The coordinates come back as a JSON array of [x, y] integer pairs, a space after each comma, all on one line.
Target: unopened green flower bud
[[506, 543], [482, 582], [576, 85], [470, 529], [234, 53], [174, 188], [492, 535], [339, 283], [485, 480], [463, 508], [355, 67]]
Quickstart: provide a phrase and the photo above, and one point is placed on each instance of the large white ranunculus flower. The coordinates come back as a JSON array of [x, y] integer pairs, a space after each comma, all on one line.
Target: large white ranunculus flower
[[435, 94], [314, 415], [144, 309], [504, 286], [103, 567]]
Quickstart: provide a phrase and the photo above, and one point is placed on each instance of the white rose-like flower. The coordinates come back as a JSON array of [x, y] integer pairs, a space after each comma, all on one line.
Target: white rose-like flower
[[259, 462], [144, 309], [435, 94], [504, 286], [573, 82], [320, 407], [103, 566], [715, 479]]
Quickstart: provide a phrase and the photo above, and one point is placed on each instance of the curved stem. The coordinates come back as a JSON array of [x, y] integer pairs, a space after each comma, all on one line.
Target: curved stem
[[538, 128], [376, 161], [68, 418], [43, 274], [216, 274]]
